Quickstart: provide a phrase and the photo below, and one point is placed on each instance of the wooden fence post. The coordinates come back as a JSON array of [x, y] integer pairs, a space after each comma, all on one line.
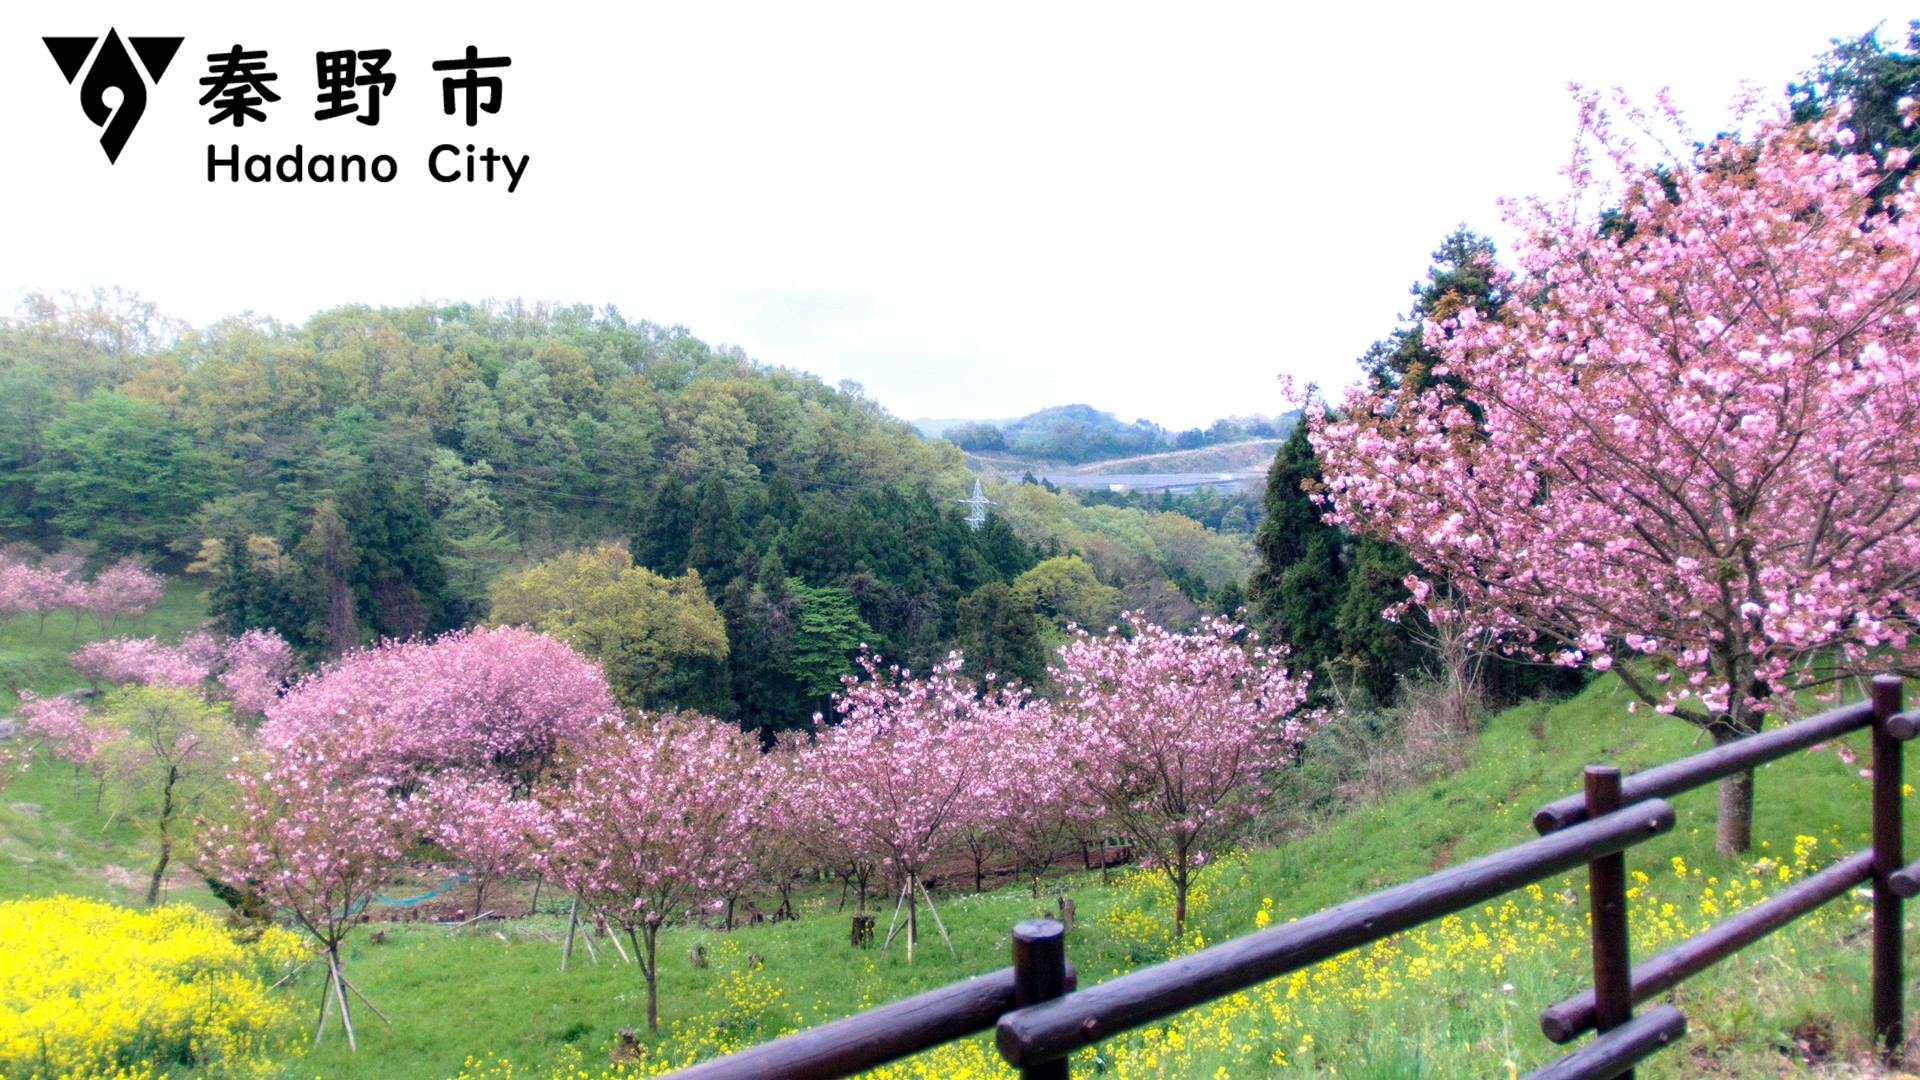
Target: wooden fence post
[[1887, 859], [1607, 900], [1040, 974]]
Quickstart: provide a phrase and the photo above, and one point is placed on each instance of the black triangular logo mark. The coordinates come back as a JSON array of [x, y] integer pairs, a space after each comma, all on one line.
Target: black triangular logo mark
[[155, 52], [70, 53]]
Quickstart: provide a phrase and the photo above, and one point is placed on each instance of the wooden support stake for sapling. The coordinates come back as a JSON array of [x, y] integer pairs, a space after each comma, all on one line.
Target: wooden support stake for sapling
[[936, 918], [363, 998], [893, 925], [621, 949], [326, 1000], [296, 971], [340, 996]]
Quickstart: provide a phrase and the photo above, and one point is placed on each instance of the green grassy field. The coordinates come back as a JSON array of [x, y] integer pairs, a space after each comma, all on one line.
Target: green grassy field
[[1461, 1002]]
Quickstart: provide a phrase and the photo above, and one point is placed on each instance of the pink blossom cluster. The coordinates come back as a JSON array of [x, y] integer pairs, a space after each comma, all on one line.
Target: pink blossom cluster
[[249, 670], [38, 586], [906, 764], [147, 661], [1688, 437], [490, 834], [127, 589], [59, 724], [41, 585], [315, 833], [1174, 736], [503, 698], [255, 667]]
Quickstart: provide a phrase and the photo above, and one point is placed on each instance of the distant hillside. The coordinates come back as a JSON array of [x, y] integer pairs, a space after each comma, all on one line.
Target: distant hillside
[[933, 428], [1079, 434]]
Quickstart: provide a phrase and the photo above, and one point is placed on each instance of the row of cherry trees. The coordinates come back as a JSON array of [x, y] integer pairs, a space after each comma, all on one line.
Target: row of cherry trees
[[505, 748], [35, 584]]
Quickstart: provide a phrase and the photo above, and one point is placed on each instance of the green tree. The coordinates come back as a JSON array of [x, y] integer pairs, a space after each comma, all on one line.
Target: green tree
[[1378, 651], [713, 544], [1064, 590], [399, 582], [326, 565], [1298, 584], [477, 544], [119, 471], [650, 633], [828, 634], [1000, 635], [1462, 276], [164, 753]]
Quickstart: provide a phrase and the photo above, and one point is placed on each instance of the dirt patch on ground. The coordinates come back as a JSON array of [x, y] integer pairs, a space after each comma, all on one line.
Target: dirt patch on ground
[[123, 877], [1443, 853]]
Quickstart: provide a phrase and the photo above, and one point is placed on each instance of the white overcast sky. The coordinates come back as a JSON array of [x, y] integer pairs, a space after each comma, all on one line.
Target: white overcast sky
[[973, 210]]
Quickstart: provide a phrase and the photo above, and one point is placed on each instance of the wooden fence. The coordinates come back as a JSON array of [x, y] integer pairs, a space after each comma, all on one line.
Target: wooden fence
[[1041, 1018]]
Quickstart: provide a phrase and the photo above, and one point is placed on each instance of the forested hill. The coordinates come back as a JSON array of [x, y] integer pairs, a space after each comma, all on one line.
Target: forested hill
[[371, 473]]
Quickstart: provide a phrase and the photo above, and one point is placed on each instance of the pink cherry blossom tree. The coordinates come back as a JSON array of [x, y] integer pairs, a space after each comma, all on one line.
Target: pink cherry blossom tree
[[1037, 798], [58, 725], [902, 770], [148, 662], [36, 586], [255, 667], [783, 844], [1688, 443], [1176, 734], [647, 818], [810, 828], [490, 833], [315, 831], [127, 589], [503, 698], [250, 669]]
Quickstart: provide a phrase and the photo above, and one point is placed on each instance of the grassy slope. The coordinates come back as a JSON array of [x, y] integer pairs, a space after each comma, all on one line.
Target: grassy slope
[[472, 993], [52, 840]]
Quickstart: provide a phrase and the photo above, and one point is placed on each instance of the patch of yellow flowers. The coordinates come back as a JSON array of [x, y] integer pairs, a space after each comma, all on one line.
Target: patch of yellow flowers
[[1442, 997], [92, 991]]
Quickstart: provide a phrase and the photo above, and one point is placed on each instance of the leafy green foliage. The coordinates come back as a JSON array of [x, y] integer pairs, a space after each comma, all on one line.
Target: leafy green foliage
[[1001, 635], [828, 635], [119, 471], [649, 632], [369, 471]]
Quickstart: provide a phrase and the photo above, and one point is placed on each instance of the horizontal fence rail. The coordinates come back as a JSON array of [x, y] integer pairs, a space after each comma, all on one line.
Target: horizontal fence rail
[[872, 1038], [1042, 1033], [1040, 1018], [1619, 1050], [1575, 1016], [1704, 768]]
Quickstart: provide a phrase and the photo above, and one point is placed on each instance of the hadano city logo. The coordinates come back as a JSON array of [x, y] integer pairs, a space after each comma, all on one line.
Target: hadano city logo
[[241, 88], [113, 69]]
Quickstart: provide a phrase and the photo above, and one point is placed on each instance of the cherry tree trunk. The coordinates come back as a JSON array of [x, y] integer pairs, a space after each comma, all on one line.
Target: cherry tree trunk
[[1180, 900], [1733, 827], [649, 935], [1733, 823], [166, 838]]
